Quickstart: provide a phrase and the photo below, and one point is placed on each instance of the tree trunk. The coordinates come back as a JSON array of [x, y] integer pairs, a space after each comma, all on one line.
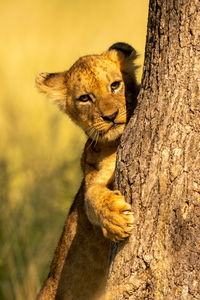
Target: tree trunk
[[158, 168]]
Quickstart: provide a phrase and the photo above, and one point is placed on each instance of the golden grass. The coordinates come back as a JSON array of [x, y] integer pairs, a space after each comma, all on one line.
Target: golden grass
[[39, 146]]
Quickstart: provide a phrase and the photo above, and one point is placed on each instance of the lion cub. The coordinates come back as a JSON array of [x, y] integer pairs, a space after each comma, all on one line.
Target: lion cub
[[99, 94]]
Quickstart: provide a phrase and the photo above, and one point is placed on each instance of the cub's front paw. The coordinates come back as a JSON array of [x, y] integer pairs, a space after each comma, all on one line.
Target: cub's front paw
[[116, 218]]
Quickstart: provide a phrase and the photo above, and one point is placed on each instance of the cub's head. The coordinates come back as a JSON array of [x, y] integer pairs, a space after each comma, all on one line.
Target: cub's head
[[98, 92]]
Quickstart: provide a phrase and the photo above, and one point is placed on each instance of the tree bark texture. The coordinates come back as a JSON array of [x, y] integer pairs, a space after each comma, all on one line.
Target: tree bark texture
[[158, 167]]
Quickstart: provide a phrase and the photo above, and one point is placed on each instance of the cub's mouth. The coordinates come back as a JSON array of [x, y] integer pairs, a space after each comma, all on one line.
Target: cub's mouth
[[113, 132], [113, 126], [116, 125], [106, 131]]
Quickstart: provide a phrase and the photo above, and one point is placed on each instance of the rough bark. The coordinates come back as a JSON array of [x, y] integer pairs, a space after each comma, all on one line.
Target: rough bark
[[158, 168]]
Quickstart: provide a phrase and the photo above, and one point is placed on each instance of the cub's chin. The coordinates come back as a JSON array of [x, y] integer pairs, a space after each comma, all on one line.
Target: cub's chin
[[113, 133]]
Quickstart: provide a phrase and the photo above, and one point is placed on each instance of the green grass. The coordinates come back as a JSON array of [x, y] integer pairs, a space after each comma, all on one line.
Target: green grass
[[40, 148]]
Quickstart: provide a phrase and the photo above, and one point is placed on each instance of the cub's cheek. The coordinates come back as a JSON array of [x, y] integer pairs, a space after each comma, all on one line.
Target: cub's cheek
[[82, 121]]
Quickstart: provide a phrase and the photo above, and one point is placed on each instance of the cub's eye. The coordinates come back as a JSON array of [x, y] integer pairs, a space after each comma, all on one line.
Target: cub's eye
[[115, 86], [84, 98]]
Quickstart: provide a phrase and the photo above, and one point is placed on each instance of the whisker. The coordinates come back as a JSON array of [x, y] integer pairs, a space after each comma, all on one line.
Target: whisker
[[90, 132], [90, 144], [97, 138]]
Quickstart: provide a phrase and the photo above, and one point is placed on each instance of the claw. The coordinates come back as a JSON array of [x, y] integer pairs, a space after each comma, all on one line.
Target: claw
[[127, 212]]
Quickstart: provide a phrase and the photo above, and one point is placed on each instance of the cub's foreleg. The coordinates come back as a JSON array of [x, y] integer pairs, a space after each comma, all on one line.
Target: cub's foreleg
[[105, 207]]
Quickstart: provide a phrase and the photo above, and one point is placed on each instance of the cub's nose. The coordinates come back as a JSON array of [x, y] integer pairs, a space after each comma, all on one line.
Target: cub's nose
[[111, 117]]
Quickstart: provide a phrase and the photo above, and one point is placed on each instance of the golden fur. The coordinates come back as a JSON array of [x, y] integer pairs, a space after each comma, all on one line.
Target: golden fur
[[99, 94]]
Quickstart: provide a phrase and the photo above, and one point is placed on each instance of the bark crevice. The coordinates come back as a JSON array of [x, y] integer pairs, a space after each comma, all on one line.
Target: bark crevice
[[158, 164]]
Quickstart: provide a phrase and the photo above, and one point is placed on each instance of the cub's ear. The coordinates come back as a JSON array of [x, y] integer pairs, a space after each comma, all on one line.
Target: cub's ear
[[53, 84], [126, 49]]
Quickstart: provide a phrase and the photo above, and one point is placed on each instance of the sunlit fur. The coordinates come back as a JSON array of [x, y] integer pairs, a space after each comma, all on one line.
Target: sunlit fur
[[99, 94], [89, 75]]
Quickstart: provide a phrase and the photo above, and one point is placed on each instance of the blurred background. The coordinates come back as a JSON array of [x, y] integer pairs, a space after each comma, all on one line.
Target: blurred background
[[40, 148]]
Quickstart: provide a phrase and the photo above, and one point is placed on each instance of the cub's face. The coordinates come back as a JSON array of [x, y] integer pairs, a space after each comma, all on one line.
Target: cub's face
[[98, 92]]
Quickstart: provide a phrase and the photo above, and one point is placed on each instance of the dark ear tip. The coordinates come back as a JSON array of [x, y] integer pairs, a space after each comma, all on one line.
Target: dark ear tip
[[125, 48]]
